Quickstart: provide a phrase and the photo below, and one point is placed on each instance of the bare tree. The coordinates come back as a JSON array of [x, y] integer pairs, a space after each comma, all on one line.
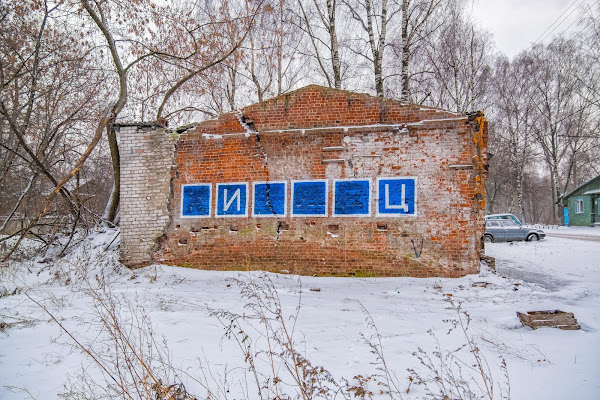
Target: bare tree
[[558, 111], [319, 21], [269, 63], [373, 18], [192, 42], [48, 89], [416, 26], [454, 64], [513, 113]]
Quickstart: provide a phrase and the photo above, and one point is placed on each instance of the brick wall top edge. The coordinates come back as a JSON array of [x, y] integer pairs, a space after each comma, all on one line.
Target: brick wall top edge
[[225, 123], [316, 106], [425, 125]]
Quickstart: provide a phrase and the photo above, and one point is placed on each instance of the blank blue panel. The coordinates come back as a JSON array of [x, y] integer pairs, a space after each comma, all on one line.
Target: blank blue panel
[[269, 199], [232, 199], [352, 198], [397, 196], [195, 201], [310, 198]]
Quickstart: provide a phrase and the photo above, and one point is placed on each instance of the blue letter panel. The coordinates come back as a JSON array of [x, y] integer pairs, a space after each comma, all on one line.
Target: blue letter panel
[[195, 201], [397, 196], [352, 198], [310, 198], [269, 199], [232, 199]]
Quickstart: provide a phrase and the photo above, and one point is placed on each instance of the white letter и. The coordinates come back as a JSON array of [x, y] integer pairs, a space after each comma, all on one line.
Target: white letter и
[[227, 204]]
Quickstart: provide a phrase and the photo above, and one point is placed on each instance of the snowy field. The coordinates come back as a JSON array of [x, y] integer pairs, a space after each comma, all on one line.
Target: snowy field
[[339, 324]]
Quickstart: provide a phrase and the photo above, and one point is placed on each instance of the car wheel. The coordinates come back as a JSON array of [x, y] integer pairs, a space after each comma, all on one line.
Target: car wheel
[[533, 238], [488, 238]]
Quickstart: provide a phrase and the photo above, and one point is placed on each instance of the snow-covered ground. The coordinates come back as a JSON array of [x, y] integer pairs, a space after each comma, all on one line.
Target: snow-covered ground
[[38, 360], [579, 230], [570, 230]]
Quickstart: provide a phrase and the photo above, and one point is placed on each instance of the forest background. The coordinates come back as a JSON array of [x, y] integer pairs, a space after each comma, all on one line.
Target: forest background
[[70, 70]]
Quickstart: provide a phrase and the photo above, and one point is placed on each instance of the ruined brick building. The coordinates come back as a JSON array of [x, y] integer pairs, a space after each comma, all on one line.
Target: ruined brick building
[[316, 181]]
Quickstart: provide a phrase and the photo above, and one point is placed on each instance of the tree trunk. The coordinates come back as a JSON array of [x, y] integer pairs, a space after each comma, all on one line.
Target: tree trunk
[[405, 52], [335, 53], [520, 204], [378, 46], [280, 50], [111, 207], [556, 195], [110, 211]]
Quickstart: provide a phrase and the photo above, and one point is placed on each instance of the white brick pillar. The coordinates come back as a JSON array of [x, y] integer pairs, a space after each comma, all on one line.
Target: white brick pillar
[[147, 156]]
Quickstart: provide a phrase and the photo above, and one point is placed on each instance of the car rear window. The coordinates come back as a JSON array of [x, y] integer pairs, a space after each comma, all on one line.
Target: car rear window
[[510, 223]]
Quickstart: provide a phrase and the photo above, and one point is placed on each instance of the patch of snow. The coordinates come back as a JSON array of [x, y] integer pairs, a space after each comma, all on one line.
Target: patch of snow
[[211, 136], [576, 230], [240, 118], [345, 128]]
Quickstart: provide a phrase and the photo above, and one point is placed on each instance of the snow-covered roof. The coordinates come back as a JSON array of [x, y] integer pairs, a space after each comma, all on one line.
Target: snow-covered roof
[[581, 186]]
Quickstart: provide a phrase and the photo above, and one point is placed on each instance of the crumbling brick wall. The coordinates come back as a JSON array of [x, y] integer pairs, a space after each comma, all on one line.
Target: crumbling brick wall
[[321, 134]]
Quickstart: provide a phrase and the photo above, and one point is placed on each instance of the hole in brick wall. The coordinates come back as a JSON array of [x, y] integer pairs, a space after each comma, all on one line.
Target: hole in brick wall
[[284, 226], [205, 228], [381, 226], [333, 228], [233, 228], [177, 226], [301, 238], [312, 223], [404, 234], [258, 226], [183, 241], [194, 229]]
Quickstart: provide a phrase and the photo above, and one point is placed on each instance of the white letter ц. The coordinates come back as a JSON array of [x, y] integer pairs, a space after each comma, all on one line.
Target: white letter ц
[[402, 206]]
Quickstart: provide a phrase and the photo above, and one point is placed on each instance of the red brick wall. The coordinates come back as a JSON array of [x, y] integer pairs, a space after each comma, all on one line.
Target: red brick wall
[[376, 138], [315, 106]]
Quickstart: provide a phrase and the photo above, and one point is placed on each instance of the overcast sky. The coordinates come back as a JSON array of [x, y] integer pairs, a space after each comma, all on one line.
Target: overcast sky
[[516, 24]]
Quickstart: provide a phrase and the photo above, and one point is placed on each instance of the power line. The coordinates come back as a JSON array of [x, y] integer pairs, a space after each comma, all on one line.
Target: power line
[[573, 23], [590, 103], [559, 17], [589, 23], [568, 27], [577, 20]]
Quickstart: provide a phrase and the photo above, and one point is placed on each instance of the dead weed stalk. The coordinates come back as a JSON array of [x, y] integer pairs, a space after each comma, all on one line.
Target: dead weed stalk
[[265, 335], [132, 362], [462, 373]]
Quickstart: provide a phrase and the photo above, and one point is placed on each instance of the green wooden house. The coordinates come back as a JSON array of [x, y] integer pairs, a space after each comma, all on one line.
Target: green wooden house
[[581, 205]]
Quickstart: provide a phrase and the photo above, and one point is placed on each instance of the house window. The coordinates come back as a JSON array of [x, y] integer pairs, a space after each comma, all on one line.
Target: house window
[[579, 206]]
